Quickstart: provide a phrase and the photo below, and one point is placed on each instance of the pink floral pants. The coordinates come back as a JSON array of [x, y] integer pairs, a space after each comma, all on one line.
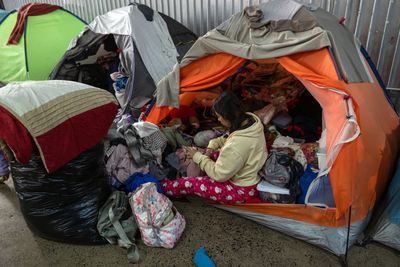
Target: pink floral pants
[[222, 192]]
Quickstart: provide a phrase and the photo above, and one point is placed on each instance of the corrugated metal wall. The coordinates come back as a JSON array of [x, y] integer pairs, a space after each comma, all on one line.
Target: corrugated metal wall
[[375, 22]]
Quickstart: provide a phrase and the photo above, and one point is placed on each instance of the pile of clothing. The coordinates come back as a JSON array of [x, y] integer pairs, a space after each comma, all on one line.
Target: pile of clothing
[[142, 148]]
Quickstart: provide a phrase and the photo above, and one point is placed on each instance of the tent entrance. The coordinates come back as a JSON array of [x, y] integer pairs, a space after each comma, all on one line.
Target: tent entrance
[[288, 88], [268, 90], [283, 103], [97, 62], [296, 113], [94, 59]]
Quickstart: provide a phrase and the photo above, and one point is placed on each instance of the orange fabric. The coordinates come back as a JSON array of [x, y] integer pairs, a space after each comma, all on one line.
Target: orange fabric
[[368, 162], [266, 61], [334, 111], [299, 212], [316, 69], [362, 168], [201, 74], [208, 71], [354, 183], [157, 114], [189, 98], [319, 62], [334, 114]]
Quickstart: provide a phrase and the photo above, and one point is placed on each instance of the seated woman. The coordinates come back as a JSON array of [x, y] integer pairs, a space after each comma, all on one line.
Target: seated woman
[[233, 177]]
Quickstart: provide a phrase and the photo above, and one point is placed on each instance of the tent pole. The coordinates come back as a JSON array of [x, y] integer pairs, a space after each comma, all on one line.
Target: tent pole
[[348, 236]]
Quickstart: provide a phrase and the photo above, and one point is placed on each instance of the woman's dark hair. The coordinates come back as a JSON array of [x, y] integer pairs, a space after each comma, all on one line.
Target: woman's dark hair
[[229, 106]]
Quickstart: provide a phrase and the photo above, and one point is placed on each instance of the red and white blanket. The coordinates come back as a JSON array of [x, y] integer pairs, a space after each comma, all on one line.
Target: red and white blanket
[[62, 118]]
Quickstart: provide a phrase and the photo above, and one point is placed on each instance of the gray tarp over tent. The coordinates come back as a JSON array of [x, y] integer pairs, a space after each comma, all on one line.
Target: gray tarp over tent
[[149, 44]]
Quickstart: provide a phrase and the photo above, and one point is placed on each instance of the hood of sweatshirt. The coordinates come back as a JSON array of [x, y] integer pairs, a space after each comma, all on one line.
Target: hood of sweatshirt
[[255, 130]]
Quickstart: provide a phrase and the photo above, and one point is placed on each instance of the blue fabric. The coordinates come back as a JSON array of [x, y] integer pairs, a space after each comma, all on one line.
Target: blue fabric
[[373, 67], [137, 179], [3, 165], [335, 63], [173, 160], [120, 83], [322, 193], [201, 259], [114, 182], [150, 106], [308, 176], [394, 197], [113, 67], [377, 76]]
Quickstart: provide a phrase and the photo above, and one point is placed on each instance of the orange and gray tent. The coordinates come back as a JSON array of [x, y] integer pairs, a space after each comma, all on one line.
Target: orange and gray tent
[[359, 142], [34, 39]]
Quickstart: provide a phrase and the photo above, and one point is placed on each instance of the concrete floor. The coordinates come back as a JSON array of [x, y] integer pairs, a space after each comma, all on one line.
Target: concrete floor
[[229, 240]]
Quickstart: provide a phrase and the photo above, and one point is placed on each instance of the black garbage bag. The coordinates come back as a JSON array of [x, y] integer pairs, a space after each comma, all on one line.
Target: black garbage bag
[[64, 205]]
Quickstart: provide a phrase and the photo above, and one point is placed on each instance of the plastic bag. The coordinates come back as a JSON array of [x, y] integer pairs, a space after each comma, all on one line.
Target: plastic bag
[[64, 205]]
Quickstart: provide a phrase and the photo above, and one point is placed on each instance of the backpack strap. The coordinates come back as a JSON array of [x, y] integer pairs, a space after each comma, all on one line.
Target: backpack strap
[[111, 228], [124, 241]]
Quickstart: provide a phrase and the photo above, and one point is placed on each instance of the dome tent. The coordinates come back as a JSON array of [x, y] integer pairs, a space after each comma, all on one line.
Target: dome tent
[[361, 130], [45, 32], [121, 25]]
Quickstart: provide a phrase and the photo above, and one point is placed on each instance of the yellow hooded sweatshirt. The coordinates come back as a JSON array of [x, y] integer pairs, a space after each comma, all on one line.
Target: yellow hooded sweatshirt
[[242, 155]]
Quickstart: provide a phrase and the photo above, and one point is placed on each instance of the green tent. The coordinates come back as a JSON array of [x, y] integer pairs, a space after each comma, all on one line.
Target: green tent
[[44, 41]]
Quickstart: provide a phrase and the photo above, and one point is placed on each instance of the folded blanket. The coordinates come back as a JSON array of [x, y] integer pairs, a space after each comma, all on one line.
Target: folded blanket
[[62, 118]]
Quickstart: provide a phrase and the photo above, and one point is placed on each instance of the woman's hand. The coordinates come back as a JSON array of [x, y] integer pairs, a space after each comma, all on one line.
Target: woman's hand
[[208, 152], [190, 151]]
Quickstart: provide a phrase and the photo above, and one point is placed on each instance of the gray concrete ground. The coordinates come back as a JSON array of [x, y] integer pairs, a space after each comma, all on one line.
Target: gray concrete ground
[[229, 240]]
